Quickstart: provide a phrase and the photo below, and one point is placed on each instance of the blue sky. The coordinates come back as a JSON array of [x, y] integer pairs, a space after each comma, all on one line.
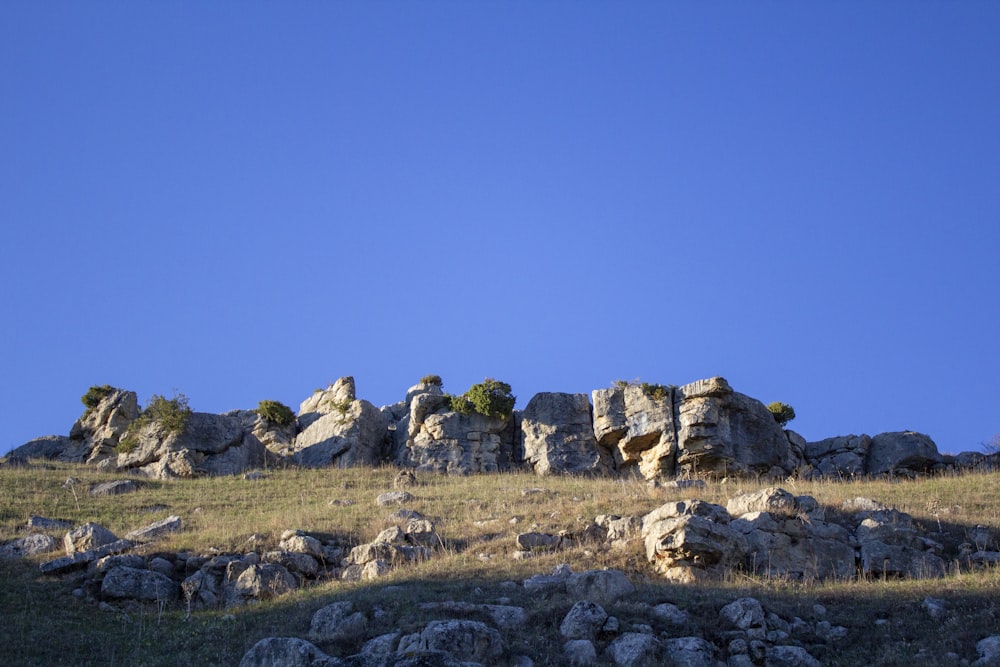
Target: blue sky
[[247, 200]]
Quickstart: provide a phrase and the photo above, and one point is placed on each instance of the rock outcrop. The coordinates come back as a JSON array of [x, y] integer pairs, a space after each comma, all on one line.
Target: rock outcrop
[[700, 430]]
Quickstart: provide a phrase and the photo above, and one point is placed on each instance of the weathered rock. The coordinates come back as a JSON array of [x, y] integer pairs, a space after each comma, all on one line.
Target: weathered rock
[[638, 423], [339, 430], [689, 652], [43, 523], [670, 614], [433, 438], [529, 541], [503, 616], [393, 498], [635, 649], [583, 621], [208, 444], [891, 546], [989, 652], [49, 447], [286, 652], [901, 450], [789, 656], [87, 537], [695, 537], [337, 622], [722, 432], [775, 501], [297, 542], [602, 586], [744, 613], [462, 640], [842, 456], [260, 582], [134, 584], [558, 436], [101, 428], [796, 548], [580, 652], [29, 545], [82, 558], [155, 530]]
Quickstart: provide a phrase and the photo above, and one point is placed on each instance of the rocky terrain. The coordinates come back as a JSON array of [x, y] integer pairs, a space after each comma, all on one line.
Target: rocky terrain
[[700, 430]]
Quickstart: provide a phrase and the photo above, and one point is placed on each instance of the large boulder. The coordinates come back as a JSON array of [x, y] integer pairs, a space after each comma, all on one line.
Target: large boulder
[[558, 435], [101, 427], [339, 430], [637, 422], [842, 456], [905, 450], [435, 438], [722, 432], [689, 540], [207, 444]]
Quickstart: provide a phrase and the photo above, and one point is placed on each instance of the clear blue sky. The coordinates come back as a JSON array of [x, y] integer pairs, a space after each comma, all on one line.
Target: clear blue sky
[[248, 200]]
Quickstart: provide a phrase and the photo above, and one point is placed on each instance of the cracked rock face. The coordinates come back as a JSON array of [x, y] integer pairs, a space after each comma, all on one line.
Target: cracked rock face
[[558, 436]]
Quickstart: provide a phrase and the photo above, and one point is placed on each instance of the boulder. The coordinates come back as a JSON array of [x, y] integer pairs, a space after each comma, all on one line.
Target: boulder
[[989, 652], [797, 547], [114, 488], [689, 652], [842, 456], [135, 584], [789, 656], [460, 639], [580, 652], [29, 545], [286, 652], [155, 530], [890, 545], [57, 447], [101, 428], [602, 586], [339, 430], [775, 501], [721, 432], [87, 537], [904, 450], [583, 621], [635, 649], [558, 436], [695, 542], [337, 622], [208, 444], [637, 423], [434, 438]]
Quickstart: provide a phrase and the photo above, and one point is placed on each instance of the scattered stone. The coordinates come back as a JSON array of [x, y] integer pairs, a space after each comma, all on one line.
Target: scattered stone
[[114, 488], [670, 614], [462, 640], [602, 586], [404, 479], [690, 652], [989, 652], [503, 616], [81, 558], [394, 498], [337, 622], [634, 649], [42, 523], [936, 608], [135, 584], [30, 545], [790, 656], [87, 537], [580, 652], [529, 541], [583, 621], [154, 530], [286, 652], [297, 542]]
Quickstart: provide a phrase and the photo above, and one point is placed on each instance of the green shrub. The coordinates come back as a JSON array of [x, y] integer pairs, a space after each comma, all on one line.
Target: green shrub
[[171, 414], [95, 395], [490, 397], [275, 412], [782, 412], [657, 392], [432, 379]]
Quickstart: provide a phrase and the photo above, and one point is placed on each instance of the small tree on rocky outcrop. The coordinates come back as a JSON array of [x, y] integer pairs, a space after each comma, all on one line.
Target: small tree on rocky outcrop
[[490, 397], [170, 413], [95, 395], [783, 413], [432, 379]]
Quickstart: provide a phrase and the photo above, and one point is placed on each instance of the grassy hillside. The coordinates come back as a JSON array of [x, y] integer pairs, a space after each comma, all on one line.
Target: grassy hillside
[[478, 517]]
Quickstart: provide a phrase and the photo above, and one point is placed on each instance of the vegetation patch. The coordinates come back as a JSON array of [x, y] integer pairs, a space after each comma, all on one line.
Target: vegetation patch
[[170, 414], [432, 379], [95, 395], [275, 412], [490, 397], [783, 413]]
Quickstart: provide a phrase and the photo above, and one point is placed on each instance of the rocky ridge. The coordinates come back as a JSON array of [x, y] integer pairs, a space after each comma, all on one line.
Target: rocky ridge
[[702, 429]]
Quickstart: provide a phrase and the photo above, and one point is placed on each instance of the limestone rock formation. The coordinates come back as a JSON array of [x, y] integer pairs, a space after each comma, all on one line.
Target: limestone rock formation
[[339, 430], [434, 438], [890, 452], [208, 444], [639, 425], [558, 436], [101, 428]]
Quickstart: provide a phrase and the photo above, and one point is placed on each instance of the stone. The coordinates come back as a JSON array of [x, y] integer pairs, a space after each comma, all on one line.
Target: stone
[[529, 541], [797, 548], [891, 546], [988, 650], [775, 501], [670, 614], [87, 537], [339, 430], [721, 432], [580, 652], [460, 639], [82, 558], [42, 523], [135, 584], [393, 498], [503, 616], [30, 545], [208, 444], [303, 564], [433, 438], [155, 530], [901, 450], [638, 423], [744, 613], [689, 652], [635, 649], [557, 436], [681, 538], [286, 652], [841, 457], [299, 543], [583, 621], [790, 656], [259, 582], [337, 622], [114, 488], [602, 586], [936, 608], [379, 649], [101, 428], [58, 447]]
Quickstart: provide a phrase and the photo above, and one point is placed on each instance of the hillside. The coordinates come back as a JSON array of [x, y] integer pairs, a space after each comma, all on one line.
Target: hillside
[[479, 564]]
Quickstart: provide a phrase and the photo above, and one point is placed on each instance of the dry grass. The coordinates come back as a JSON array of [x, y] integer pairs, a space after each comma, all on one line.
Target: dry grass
[[478, 517]]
